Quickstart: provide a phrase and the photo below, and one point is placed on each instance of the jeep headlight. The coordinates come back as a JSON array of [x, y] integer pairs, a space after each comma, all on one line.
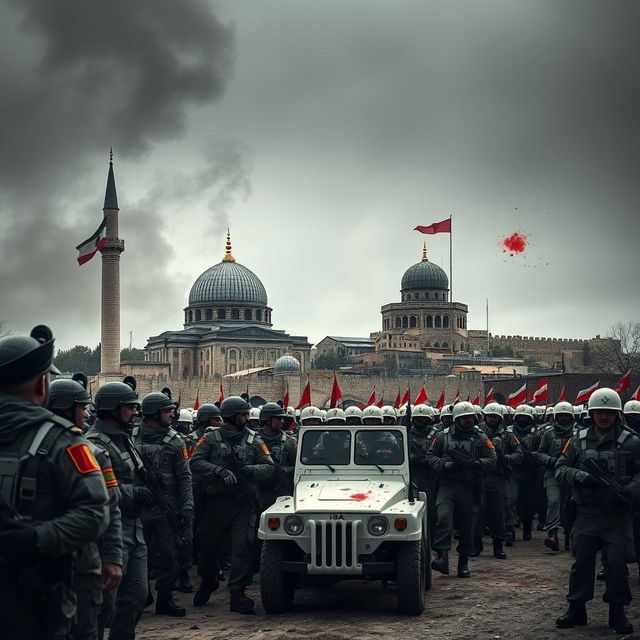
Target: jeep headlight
[[377, 526], [294, 525]]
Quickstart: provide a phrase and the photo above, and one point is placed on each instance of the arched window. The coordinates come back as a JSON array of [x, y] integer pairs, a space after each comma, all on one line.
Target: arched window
[[247, 314], [198, 315], [232, 354], [412, 322], [429, 322], [438, 322], [436, 345], [235, 314], [405, 322], [445, 345], [398, 323], [445, 322], [222, 314], [260, 355], [209, 314], [408, 297], [190, 316], [258, 315], [428, 345]]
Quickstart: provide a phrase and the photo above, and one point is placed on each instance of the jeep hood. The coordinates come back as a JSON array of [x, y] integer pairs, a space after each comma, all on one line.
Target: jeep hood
[[358, 495]]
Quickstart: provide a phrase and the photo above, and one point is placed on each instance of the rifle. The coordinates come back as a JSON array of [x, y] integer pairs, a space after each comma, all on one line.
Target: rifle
[[155, 486], [605, 479], [462, 458]]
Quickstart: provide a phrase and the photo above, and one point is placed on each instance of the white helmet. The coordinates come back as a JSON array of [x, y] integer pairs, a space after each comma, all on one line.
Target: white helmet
[[389, 412], [372, 412], [323, 413], [526, 410], [402, 411], [254, 413], [605, 399], [493, 409], [577, 409], [335, 416], [447, 410], [310, 413], [549, 411], [423, 410], [463, 409], [539, 410], [633, 406], [185, 416], [353, 412], [291, 411], [563, 407], [478, 409]]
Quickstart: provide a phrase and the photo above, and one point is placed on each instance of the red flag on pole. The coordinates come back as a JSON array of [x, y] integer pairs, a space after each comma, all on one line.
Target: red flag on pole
[[489, 397], [336, 392], [396, 404], [624, 383], [372, 399], [584, 394], [476, 400], [196, 404], [436, 227], [381, 403], [440, 403], [636, 394], [221, 396], [563, 394], [305, 398], [540, 393], [457, 398], [518, 397], [422, 397], [285, 400], [405, 398]]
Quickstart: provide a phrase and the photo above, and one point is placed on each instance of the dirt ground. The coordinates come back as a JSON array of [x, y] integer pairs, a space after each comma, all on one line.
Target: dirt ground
[[515, 598]]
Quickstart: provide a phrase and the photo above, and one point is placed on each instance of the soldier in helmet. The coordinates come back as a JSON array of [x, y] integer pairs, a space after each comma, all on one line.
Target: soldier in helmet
[[165, 456], [603, 515], [389, 415], [53, 499], [311, 416], [229, 463], [98, 564], [254, 418], [283, 448], [116, 406], [184, 423], [554, 440], [460, 455], [353, 415]]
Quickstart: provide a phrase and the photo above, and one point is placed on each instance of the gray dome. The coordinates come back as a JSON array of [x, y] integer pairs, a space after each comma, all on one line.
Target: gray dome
[[286, 365], [425, 275], [228, 282]]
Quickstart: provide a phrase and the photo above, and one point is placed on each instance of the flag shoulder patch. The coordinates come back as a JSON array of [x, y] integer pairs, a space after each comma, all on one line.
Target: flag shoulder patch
[[489, 444], [566, 446], [83, 458], [265, 449], [109, 477]]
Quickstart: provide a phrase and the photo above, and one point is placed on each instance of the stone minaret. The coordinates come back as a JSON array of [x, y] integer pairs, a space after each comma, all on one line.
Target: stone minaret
[[110, 330]]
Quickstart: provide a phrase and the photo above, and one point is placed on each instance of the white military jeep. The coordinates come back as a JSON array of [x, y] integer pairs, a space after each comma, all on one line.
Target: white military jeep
[[353, 515]]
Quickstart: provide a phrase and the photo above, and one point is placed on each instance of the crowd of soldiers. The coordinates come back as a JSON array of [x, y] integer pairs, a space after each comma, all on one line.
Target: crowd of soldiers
[[102, 497]]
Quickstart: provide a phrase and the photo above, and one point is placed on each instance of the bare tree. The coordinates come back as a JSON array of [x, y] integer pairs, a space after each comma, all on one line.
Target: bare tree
[[621, 352]]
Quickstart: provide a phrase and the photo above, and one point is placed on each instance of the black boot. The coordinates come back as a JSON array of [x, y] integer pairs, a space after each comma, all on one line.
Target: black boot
[[441, 563], [526, 530], [206, 588], [576, 615], [463, 566], [618, 620], [240, 602], [184, 584], [167, 606], [498, 551], [551, 541], [477, 547], [510, 536]]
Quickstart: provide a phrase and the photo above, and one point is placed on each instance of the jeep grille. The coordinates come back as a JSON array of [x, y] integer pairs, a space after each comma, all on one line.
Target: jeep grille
[[334, 546]]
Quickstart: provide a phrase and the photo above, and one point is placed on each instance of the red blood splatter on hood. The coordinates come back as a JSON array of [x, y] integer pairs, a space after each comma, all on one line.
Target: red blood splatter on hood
[[515, 243], [360, 496]]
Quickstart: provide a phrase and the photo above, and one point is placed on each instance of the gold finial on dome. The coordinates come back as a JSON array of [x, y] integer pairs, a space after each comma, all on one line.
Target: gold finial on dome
[[227, 255], [424, 253]]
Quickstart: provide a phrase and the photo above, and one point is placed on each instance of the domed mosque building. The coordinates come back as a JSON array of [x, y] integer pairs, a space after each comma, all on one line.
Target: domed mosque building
[[227, 328], [424, 321]]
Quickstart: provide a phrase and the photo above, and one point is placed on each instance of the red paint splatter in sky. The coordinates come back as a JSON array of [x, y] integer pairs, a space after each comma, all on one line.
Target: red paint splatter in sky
[[360, 496], [515, 243]]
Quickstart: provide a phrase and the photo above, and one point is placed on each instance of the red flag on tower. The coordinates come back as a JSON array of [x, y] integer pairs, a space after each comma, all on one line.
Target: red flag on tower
[[336, 392], [624, 383], [584, 394], [372, 399], [440, 403], [305, 398], [518, 397], [422, 397], [489, 397], [435, 227], [563, 394], [396, 404], [540, 393], [196, 404], [221, 396]]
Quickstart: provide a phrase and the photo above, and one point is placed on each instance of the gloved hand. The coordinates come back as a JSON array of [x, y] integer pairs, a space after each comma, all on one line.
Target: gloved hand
[[583, 479], [18, 543], [246, 472], [228, 477], [143, 496]]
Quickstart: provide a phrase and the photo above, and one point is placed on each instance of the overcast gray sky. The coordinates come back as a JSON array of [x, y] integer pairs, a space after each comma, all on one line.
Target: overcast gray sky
[[322, 133]]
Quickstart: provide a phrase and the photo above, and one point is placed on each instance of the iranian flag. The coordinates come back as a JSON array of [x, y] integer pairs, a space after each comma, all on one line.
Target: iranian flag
[[489, 397], [624, 383], [89, 248], [584, 394], [518, 397], [540, 393]]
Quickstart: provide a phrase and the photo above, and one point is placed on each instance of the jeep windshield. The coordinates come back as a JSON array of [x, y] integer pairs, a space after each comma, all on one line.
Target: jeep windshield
[[332, 447], [378, 447]]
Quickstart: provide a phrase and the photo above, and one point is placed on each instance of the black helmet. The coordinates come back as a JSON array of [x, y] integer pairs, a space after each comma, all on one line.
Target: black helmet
[[271, 410], [112, 394], [154, 402], [167, 392], [64, 393], [81, 378], [131, 381], [232, 405], [206, 412], [23, 358]]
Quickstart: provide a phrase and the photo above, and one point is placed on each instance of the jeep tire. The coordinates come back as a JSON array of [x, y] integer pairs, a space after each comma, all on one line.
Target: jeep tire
[[426, 551], [410, 576], [276, 586]]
